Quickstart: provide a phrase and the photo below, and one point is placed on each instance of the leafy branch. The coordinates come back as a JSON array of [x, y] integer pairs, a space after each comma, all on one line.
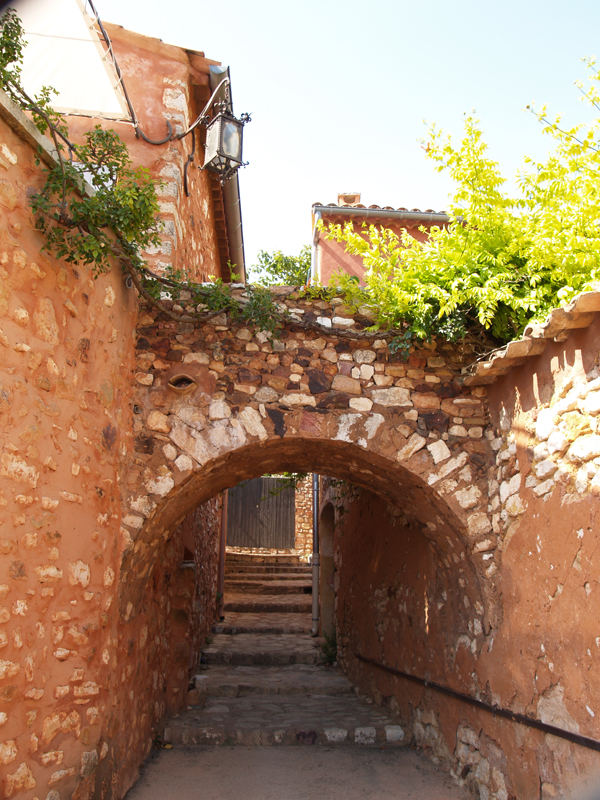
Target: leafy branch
[[502, 261], [96, 208]]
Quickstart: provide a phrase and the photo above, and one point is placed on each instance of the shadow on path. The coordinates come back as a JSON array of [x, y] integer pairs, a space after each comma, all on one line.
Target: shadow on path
[[293, 773]]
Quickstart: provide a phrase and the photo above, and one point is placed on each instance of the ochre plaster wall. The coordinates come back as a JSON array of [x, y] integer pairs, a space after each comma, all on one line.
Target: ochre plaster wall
[[170, 83], [81, 687], [544, 659], [160, 643], [538, 656], [65, 391], [400, 603]]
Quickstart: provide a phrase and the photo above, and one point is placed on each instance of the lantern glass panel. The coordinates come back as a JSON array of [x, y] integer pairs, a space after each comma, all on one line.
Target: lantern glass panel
[[211, 150], [231, 139]]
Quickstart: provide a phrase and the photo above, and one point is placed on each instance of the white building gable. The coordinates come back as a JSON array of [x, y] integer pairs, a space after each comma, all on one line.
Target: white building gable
[[64, 50]]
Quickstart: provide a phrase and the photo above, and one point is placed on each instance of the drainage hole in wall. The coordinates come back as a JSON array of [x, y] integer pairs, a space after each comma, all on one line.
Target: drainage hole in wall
[[181, 383]]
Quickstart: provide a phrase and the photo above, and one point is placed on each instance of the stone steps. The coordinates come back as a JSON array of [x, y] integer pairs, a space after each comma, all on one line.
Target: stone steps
[[228, 681], [299, 603], [257, 622], [268, 587], [262, 648], [295, 573], [245, 560], [262, 681], [284, 719], [240, 575]]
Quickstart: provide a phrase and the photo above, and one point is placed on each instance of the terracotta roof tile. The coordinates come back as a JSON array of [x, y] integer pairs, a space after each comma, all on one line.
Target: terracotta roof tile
[[579, 313], [378, 208]]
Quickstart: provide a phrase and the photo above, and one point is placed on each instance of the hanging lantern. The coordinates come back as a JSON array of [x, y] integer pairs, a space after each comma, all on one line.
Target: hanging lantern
[[223, 149]]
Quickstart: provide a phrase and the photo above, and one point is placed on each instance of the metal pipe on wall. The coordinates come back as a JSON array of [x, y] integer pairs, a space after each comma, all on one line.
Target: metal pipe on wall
[[314, 251], [222, 544], [315, 557]]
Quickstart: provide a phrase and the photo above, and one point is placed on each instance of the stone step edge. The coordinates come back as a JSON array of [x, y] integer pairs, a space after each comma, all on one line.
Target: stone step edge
[[269, 572], [364, 735], [197, 697], [236, 559], [268, 587], [277, 608], [281, 575], [277, 605], [259, 659], [234, 630], [207, 684]]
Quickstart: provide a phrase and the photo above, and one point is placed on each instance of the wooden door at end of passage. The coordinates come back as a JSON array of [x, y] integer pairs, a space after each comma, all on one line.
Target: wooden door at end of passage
[[262, 513]]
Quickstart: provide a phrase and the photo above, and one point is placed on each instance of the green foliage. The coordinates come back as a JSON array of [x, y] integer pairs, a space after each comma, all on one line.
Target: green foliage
[[253, 306], [277, 269], [11, 48], [289, 480], [258, 310], [121, 216], [293, 479], [502, 261]]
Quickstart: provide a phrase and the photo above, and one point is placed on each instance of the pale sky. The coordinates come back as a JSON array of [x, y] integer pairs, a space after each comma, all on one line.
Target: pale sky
[[340, 92]]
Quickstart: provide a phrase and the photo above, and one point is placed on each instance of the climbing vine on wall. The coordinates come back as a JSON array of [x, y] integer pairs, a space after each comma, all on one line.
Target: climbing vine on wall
[[96, 207]]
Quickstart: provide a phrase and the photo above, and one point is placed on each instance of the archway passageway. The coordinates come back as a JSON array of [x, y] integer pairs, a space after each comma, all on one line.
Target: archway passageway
[[216, 404], [377, 506]]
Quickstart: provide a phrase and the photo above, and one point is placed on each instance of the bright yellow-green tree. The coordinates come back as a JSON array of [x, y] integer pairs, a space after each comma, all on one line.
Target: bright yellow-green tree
[[503, 260]]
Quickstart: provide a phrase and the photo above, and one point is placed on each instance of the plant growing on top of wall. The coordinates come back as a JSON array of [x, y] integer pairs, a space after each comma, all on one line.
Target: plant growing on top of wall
[[278, 269], [503, 260]]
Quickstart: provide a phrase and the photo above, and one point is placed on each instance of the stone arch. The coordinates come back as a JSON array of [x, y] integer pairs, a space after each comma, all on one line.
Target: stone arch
[[210, 393], [215, 403], [160, 495], [398, 484]]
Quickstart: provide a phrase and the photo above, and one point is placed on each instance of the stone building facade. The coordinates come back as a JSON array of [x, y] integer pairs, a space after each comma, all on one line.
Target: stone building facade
[[330, 256], [304, 517], [76, 713]]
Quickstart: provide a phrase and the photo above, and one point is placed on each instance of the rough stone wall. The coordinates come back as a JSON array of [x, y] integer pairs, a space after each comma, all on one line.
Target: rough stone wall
[[303, 400], [207, 536], [65, 390], [304, 524]]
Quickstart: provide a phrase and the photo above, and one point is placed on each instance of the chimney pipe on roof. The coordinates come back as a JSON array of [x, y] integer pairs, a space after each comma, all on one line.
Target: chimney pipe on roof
[[349, 199]]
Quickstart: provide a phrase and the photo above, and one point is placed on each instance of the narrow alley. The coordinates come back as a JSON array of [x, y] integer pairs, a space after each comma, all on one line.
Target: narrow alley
[[266, 688]]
